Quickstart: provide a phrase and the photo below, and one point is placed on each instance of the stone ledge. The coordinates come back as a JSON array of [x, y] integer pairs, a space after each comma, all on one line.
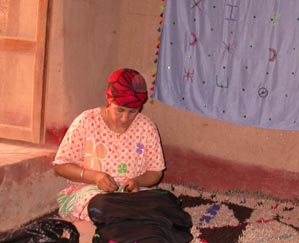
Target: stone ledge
[[28, 185]]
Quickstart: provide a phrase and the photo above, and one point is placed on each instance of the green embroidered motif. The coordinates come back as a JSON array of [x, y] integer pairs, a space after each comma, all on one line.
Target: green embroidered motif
[[122, 168]]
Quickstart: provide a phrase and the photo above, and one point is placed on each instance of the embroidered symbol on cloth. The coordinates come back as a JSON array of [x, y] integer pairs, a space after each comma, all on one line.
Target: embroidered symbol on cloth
[[122, 168], [188, 76], [140, 148]]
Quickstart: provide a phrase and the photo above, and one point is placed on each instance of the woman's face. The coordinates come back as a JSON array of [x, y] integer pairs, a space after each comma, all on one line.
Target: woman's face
[[122, 117]]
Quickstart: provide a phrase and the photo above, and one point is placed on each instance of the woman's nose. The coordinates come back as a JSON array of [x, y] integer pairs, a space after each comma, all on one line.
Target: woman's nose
[[124, 117]]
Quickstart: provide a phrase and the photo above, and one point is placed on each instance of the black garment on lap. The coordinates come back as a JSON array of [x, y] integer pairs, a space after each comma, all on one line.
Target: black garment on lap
[[151, 216]]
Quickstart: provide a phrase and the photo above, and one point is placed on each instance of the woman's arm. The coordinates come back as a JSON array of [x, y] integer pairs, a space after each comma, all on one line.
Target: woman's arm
[[78, 174], [148, 179]]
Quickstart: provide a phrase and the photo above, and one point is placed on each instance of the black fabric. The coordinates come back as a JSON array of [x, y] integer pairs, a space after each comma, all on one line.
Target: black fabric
[[151, 216]]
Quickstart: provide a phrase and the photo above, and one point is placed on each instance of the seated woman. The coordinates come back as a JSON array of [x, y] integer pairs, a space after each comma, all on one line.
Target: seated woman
[[108, 149]]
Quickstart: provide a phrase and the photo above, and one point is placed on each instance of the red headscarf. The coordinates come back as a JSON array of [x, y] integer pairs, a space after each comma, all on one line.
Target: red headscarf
[[126, 87]]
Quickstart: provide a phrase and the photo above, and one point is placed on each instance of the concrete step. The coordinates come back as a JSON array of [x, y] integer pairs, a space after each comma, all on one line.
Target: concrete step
[[28, 185]]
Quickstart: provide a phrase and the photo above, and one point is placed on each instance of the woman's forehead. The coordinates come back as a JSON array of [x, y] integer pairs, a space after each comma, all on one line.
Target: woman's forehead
[[115, 106]]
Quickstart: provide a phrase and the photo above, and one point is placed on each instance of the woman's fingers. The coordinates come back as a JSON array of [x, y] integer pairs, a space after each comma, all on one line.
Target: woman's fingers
[[107, 183]]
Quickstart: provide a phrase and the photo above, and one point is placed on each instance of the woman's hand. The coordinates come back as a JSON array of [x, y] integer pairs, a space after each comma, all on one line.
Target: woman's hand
[[132, 185], [148, 179], [105, 182]]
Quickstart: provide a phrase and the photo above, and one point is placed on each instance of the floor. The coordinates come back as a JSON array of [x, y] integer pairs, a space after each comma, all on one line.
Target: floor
[[207, 173]]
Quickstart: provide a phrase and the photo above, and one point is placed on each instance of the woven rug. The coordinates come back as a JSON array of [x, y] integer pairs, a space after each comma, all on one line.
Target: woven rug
[[238, 217]]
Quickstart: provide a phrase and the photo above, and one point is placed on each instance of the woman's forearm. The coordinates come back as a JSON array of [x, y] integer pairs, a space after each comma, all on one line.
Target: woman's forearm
[[75, 173], [149, 178]]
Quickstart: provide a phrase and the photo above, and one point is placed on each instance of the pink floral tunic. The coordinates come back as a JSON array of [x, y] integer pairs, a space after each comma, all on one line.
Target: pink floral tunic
[[90, 144]]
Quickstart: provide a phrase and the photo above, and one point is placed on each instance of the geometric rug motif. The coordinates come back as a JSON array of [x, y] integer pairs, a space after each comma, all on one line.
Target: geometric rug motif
[[238, 216]]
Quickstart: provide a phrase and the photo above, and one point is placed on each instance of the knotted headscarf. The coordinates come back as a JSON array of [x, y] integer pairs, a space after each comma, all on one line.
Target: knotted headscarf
[[126, 87]]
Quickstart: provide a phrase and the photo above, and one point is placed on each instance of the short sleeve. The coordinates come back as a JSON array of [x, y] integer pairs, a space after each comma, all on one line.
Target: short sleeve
[[154, 154], [71, 149]]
